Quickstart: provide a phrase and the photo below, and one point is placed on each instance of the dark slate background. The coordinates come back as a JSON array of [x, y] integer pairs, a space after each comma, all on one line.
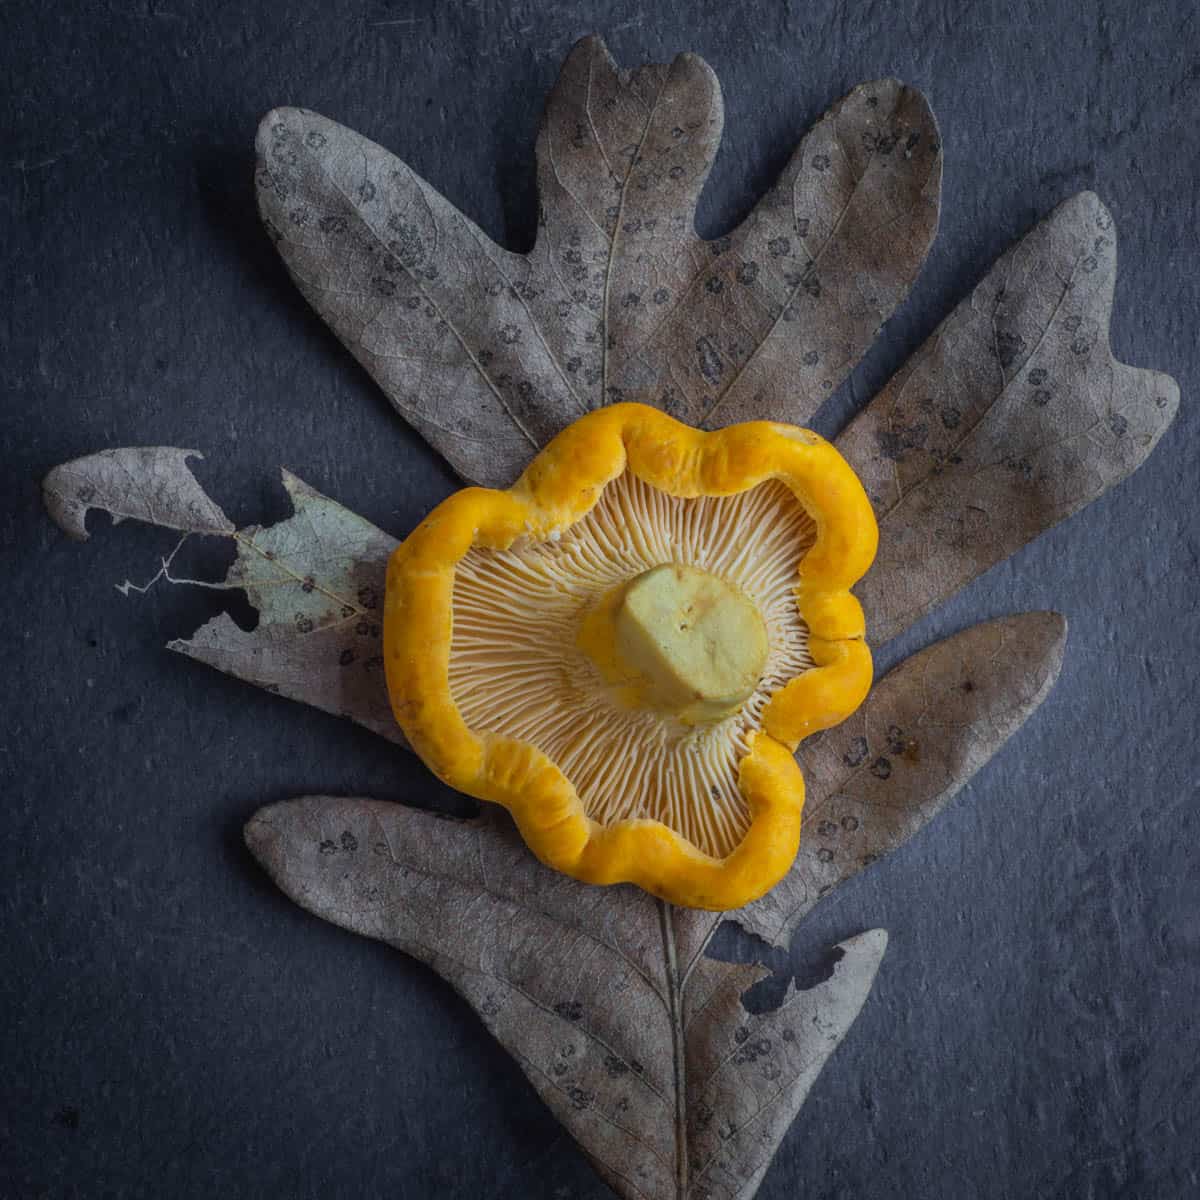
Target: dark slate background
[[169, 1024]]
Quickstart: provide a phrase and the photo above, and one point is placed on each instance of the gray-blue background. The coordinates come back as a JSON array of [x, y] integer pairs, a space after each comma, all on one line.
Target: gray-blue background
[[169, 1024]]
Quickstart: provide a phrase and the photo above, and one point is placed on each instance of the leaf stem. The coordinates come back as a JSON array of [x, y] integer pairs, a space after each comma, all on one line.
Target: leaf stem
[[674, 997]]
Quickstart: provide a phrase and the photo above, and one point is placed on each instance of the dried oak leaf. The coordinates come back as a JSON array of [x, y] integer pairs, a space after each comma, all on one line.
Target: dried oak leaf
[[1011, 417], [580, 987], [490, 353]]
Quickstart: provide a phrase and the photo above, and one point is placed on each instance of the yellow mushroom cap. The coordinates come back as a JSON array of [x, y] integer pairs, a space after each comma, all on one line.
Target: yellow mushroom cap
[[625, 647]]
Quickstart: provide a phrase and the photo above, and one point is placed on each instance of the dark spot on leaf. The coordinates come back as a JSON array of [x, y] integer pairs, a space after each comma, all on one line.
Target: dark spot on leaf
[[881, 768], [615, 1067], [630, 300], [349, 841], [304, 624], [668, 400], [1072, 323], [1009, 346], [827, 828], [951, 417], [308, 585], [1080, 346], [1118, 424], [779, 247], [580, 1099], [661, 296], [896, 442], [1040, 397], [714, 285], [825, 854], [811, 358], [849, 823], [1037, 376], [747, 273], [328, 847], [368, 597], [968, 686], [710, 363], [346, 657], [820, 162], [856, 755], [366, 192], [801, 227], [569, 1010], [741, 1034]]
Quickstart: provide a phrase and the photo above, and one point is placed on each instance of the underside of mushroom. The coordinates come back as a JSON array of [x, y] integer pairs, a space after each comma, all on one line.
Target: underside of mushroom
[[520, 664]]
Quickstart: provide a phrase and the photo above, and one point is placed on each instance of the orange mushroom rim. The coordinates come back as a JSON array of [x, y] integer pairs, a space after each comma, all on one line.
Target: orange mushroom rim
[[558, 488]]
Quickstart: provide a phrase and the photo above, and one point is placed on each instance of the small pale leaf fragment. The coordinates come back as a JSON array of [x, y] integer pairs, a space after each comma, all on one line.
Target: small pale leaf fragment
[[140, 483], [317, 580]]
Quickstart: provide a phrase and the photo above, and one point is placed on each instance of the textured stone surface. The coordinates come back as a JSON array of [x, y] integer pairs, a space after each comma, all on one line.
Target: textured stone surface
[[169, 1023]]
